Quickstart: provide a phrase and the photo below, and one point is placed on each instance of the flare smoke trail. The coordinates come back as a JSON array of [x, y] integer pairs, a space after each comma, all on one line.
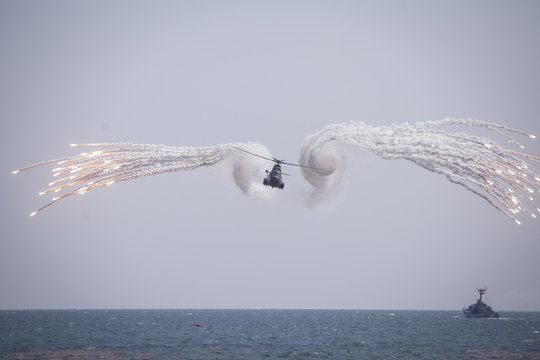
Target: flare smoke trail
[[81, 173], [506, 179]]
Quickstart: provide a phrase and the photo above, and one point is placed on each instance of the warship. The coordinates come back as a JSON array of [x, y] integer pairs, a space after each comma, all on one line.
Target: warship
[[480, 309]]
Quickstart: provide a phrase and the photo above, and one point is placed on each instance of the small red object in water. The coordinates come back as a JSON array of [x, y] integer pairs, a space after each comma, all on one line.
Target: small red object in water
[[197, 324]]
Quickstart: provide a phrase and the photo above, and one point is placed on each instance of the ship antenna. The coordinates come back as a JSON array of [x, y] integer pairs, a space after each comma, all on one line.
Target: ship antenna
[[482, 291]]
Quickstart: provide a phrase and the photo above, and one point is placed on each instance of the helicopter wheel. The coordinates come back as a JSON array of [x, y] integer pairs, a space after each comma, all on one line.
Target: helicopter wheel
[[282, 186]]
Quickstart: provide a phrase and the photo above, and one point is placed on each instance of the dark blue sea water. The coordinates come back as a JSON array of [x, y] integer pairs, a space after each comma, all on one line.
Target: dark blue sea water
[[265, 334]]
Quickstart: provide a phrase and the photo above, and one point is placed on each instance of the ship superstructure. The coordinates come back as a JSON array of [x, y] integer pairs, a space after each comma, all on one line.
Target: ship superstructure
[[480, 309]]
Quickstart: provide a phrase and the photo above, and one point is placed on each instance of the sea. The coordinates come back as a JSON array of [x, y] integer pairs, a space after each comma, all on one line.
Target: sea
[[265, 334]]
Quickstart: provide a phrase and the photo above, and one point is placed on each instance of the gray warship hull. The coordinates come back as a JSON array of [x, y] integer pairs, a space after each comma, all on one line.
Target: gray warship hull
[[481, 314], [480, 309]]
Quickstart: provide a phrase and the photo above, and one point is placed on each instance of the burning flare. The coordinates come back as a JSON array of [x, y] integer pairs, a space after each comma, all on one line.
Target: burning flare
[[86, 171], [506, 179]]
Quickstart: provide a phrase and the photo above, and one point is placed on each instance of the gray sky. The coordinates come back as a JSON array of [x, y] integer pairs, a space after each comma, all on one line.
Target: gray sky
[[204, 73]]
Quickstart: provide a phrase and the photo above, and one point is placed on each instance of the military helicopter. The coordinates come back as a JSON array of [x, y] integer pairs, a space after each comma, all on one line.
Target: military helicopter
[[274, 177]]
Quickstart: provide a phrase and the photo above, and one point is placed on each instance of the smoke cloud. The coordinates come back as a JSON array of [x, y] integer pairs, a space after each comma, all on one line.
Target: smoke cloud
[[248, 170], [86, 171], [324, 154], [506, 179]]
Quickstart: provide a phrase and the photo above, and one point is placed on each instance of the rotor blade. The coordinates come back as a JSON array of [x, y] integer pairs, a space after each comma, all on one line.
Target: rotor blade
[[304, 166], [249, 152], [274, 159], [285, 174]]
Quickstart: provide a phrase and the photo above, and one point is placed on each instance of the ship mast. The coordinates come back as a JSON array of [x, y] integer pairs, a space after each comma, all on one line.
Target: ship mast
[[481, 291]]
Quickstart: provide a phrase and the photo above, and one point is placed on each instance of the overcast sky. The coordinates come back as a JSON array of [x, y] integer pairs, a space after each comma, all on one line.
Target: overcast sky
[[209, 72]]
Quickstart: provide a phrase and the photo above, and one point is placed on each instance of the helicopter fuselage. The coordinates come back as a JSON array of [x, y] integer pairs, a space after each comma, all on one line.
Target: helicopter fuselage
[[274, 177]]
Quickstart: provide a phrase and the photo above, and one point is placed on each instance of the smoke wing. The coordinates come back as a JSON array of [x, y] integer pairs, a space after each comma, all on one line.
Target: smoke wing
[[506, 179], [86, 171]]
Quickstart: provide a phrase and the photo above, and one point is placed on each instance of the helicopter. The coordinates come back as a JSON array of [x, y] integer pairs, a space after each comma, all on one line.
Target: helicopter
[[274, 177]]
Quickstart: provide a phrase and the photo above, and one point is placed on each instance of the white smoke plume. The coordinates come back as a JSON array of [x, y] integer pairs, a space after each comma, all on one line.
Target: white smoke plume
[[506, 179], [328, 164], [248, 170], [86, 171]]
